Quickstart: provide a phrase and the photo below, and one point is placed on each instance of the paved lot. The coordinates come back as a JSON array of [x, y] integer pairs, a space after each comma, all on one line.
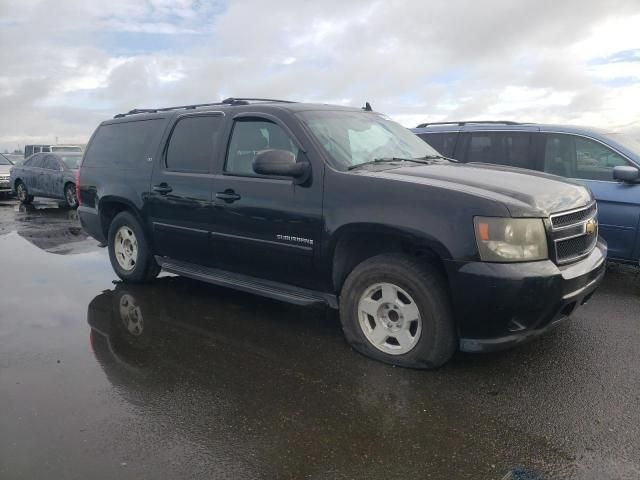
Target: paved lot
[[203, 382]]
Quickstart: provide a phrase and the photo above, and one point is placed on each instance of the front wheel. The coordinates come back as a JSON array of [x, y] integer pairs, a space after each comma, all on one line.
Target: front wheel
[[129, 251], [23, 194], [396, 309]]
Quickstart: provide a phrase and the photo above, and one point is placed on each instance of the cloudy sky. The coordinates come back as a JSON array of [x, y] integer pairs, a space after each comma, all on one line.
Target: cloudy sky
[[66, 64]]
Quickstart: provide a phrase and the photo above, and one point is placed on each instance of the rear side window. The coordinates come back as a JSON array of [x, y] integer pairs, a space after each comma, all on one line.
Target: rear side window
[[122, 144], [506, 148], [443, 142], [193, 142]]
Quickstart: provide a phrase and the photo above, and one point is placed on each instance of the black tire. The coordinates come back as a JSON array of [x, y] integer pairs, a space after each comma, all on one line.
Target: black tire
[[70, 197], [436, 343], [23, 193], [145, 267]]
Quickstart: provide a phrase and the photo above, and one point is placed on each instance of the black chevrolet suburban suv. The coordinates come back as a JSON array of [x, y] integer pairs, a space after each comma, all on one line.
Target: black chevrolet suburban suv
[[318, 204]]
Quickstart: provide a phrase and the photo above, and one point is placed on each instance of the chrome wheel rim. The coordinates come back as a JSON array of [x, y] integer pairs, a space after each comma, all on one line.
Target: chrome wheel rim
[[126, 248], [71, 196], [389, 318], [131, 315]]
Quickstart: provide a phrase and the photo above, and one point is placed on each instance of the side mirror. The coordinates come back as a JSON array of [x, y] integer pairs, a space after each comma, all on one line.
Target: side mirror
[[626, 174], [281, 163]]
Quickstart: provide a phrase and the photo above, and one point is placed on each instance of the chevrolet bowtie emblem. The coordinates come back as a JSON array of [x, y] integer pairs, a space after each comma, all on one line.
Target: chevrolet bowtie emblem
[[592, 226]]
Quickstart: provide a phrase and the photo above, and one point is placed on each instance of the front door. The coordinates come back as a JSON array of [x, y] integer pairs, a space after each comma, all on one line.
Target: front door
[[591, 163], [50, 178], [268, 227], [179, 206]]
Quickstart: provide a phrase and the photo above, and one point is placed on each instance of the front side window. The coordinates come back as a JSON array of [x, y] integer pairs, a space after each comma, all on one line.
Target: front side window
[[352, 138], [50, 163], [578, 157], [502, 148], [193, 142], [250, 137]]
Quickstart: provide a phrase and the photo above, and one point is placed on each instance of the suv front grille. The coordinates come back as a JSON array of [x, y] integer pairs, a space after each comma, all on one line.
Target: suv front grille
[[567, 219], [574, 233]]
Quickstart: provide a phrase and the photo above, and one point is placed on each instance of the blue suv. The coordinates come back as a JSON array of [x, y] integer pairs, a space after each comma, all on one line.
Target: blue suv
[[608, 163]]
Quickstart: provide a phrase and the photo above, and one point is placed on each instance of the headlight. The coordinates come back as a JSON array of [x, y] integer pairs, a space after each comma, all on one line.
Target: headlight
[[510, 239]]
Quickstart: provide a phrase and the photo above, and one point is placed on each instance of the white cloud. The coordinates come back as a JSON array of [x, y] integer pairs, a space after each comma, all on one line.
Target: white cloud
[[417, 61]]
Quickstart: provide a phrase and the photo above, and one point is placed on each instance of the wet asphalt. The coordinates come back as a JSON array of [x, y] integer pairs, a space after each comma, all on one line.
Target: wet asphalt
[[179, 379]]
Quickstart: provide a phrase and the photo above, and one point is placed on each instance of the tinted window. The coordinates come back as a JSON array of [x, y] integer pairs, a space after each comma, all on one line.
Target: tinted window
[[502, 148], [51, 163], [444, 143], [193, 142], [122, 144], [250, 137], [577, 157]]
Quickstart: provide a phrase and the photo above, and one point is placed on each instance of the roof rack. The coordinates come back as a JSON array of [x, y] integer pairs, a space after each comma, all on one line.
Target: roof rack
[[460, 124], [227, 101]]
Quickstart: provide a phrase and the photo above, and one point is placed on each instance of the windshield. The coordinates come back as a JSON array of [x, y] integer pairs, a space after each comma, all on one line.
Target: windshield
[[71, 161], [627, 141], [4, 160], [353, 138], [66, 149]]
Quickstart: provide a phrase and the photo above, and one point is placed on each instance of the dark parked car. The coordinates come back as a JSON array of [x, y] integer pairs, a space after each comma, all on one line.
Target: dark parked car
[[317, 204], [608, 163], [5, 168], [48, 175]]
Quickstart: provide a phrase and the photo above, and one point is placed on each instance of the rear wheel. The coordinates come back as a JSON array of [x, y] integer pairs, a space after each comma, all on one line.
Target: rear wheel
[[70, 198], [23, 193], [129, 251], [396, 309]]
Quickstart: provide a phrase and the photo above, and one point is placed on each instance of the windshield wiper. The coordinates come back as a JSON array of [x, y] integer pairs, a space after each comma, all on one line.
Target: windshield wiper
[[439, 157], [423, 160]]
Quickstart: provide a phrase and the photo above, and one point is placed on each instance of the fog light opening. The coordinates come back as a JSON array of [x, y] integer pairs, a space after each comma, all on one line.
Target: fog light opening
[[568, 309], [587, 298]]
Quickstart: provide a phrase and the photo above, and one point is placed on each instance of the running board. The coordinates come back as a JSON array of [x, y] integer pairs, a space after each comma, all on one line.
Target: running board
[[246, 283]]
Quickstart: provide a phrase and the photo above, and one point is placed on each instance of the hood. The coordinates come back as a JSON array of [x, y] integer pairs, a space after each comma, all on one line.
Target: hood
[[525, 193]]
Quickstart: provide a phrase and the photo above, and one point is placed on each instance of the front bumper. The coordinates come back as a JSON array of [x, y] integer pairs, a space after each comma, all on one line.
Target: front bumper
[[501, 305]]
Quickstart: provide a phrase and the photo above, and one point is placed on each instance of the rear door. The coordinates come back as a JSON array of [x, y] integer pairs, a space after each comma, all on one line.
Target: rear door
[[268, 227], [590, 162], [180, 202]]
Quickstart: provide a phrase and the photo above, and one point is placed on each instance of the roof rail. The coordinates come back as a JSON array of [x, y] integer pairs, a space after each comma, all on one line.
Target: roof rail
[[460, 124], [227, 101]]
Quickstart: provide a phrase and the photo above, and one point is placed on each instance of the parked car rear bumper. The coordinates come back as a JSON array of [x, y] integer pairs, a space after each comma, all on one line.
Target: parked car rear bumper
[[498, 306]]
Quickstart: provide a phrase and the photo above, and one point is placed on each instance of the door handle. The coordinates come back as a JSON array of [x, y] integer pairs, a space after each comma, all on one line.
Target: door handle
[[162, 189], [228, 196]]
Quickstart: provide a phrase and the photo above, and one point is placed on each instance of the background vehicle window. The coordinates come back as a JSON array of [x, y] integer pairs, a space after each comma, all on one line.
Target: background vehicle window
[[193, 142], [51, 163], [577, 157], [249, 137], [37, 161], [122, 144], [444, 143], [501, 148]]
